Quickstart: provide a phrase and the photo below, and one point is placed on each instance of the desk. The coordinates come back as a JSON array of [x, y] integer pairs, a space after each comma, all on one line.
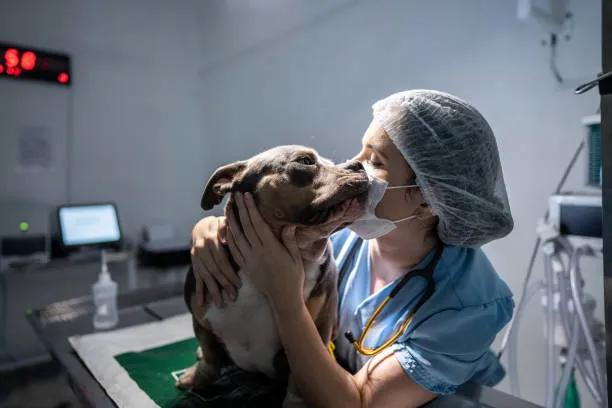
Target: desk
[[38, 286], [58, 321]]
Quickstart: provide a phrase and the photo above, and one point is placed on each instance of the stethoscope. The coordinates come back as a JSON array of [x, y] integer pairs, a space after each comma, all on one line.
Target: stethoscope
[[425, 273]]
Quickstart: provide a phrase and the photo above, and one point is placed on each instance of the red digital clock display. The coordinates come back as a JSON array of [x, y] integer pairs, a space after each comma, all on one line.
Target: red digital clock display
[[26, 63]]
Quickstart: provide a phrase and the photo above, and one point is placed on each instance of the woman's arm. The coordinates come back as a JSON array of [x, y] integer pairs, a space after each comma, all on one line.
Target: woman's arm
[[321, 381], [317, 376], [277, 269]]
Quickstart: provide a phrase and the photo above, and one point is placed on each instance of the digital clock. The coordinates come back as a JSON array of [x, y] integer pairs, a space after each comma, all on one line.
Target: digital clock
[[18, 62]]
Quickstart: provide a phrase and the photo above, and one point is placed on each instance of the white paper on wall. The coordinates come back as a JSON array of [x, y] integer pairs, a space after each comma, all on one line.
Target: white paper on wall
[[35, 148]]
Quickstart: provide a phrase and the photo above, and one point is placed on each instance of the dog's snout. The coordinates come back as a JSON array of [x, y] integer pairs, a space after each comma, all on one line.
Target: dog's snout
[[353, 165]]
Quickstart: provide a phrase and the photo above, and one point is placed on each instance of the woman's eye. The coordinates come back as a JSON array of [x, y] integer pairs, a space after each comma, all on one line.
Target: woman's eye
[[306, 160], [374, 163]]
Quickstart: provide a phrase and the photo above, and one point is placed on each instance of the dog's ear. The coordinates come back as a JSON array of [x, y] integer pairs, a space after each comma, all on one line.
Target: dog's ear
[[220, 184]]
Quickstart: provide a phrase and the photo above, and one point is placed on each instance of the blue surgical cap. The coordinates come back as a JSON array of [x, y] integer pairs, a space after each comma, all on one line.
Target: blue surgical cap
[[453, 153]]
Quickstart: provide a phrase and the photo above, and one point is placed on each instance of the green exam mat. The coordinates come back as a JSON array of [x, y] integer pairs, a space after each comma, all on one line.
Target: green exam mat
[[156, 370], [138, 367]]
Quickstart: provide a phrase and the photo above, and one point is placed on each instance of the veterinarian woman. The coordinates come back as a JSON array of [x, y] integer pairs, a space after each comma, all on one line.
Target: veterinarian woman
[[451, 199]]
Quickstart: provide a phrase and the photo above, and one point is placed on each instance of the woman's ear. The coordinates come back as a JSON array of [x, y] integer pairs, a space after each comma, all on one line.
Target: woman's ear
[[424, 211], [421, 208], [414, 197]]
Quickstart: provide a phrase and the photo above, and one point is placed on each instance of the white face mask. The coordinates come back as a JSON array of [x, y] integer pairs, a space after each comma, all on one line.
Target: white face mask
[[369, 226]]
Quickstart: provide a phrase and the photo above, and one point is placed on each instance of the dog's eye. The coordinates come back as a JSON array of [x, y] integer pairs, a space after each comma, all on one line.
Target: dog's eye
[[306, 160]]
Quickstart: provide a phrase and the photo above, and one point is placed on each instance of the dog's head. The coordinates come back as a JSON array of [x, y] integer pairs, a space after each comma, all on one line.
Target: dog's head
[[294, 185]]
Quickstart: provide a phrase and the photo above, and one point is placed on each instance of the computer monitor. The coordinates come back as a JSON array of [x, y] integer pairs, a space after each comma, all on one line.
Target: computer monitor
[[89, 225]]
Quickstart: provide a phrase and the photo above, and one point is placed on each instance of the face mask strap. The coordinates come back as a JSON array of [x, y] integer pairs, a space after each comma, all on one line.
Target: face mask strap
[[412, 217]]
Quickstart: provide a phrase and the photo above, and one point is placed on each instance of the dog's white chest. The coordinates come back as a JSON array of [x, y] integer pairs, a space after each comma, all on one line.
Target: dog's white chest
[[247, 327]]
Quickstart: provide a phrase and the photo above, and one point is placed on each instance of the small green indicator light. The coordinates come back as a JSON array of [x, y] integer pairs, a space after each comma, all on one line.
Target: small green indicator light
[[24, 226]]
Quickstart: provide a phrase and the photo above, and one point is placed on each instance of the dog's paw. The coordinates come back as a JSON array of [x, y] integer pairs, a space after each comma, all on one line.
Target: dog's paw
[[198, 377], [186, 381]]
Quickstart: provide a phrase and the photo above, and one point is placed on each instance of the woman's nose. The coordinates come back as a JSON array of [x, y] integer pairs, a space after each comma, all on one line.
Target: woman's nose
[[358, 157]]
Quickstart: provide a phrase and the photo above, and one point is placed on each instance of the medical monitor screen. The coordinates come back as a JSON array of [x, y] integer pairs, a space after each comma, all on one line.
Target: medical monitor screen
[[581, 220], [89, 225]]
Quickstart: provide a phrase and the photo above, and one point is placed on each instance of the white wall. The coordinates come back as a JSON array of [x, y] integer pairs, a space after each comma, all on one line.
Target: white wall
[[137, 118], [165, 92]]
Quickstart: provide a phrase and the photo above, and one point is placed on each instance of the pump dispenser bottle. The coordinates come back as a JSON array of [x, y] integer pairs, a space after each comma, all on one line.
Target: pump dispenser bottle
[[105, 299]]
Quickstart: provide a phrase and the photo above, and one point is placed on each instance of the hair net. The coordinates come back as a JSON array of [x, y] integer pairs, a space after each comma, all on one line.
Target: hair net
[[452, 150]]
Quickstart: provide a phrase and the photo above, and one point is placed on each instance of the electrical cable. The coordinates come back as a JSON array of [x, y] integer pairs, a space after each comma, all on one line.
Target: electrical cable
[[572, 334], [578, 309], [550, 336], [512, 357], [534, 253], [553, 58], [576, 287], [559, 398], [563, 282], [564, 314], [591, 368], [589, 381]]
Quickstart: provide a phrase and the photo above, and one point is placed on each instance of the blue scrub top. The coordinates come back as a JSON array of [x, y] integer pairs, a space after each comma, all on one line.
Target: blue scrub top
[[448, 341]]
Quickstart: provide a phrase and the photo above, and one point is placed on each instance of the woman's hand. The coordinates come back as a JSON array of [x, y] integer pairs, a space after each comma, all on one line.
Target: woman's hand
[[275, 267], [211, 266]]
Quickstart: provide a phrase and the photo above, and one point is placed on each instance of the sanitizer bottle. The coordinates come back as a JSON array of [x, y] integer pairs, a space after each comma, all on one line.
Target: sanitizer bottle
[[105, 299]]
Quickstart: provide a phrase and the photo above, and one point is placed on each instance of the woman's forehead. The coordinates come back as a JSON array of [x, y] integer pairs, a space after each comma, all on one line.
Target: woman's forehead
[[376, 136]]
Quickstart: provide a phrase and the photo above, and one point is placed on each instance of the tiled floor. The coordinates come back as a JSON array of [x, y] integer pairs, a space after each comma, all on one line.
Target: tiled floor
[[41, 386]]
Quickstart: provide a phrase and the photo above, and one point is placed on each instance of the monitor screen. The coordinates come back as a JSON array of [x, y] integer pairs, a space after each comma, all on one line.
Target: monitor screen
[[89, 225], [581, 220]]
